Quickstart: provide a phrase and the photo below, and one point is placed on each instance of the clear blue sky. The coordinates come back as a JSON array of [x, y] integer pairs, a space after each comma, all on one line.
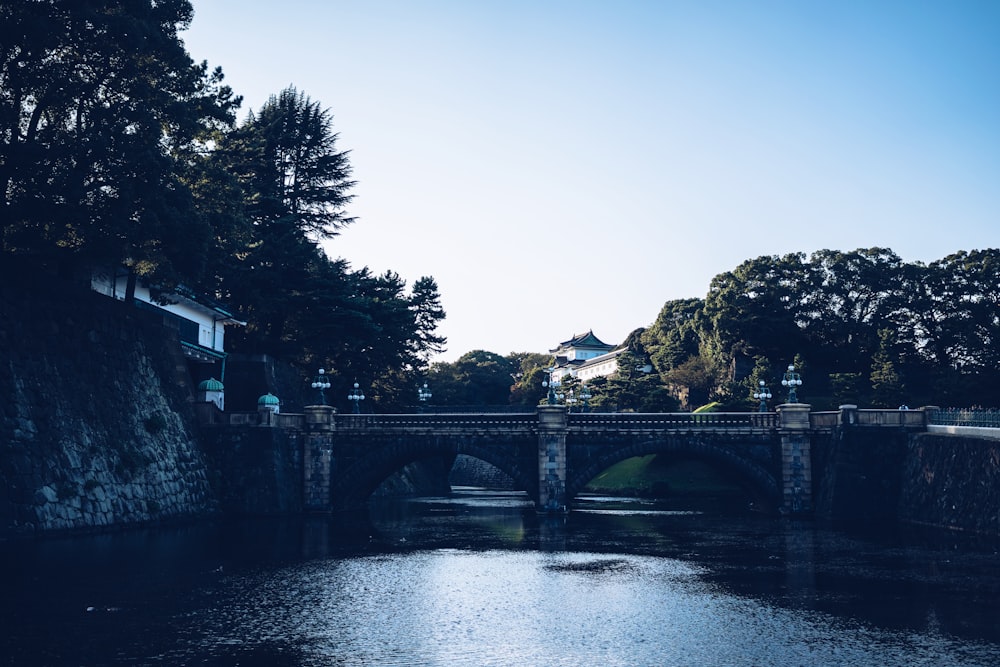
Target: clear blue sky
[[570, 165]]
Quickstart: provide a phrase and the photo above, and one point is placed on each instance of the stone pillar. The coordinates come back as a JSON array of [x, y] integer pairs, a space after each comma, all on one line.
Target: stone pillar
[[552, 423], [796, 458], [848, 415], [317, 458]]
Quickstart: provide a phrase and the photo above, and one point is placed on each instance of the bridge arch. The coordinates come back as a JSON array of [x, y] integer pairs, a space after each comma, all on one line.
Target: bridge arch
[[353, 485], [754, 474]]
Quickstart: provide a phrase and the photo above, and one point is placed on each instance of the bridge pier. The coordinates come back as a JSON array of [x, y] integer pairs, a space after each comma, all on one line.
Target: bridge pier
[[317, 458], [796, 458], [552, 426]]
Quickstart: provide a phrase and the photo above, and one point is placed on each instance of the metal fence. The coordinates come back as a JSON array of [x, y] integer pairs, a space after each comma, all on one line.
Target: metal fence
[[965, 417], [676, 420], [486, 420]]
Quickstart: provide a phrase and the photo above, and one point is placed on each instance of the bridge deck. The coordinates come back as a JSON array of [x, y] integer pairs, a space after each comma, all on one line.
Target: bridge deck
[[621, 422], [723, 422]]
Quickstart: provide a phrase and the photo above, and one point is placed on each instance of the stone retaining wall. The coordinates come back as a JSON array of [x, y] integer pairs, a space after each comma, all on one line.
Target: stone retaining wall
[[875, 475], [952, 482], [96, 425]]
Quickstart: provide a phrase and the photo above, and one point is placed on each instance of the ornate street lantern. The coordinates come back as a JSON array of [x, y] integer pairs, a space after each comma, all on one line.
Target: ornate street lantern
[[553, 397], [763, 395], [791, 379], [356, 396], [321, 384], [424, 394]]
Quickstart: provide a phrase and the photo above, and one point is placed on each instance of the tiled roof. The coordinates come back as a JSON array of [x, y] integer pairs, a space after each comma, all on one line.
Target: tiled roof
[[588, 340]]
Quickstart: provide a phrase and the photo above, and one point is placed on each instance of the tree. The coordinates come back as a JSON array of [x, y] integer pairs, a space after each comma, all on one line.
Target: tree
[[100, 109], [425, 304], [294, 186], [674, 337], [292, 167], [755, 310], [622, 387], [848, 388], [654, 396], [974, 324], [886, 383], [528, 376], [695, 380], [850, 295], [477, 378]]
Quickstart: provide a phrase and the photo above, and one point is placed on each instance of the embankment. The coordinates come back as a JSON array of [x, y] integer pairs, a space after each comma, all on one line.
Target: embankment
[[945, 481], [96, 423]]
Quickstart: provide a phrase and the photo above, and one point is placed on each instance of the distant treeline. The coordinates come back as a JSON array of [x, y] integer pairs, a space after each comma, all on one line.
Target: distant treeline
[[860, 327]]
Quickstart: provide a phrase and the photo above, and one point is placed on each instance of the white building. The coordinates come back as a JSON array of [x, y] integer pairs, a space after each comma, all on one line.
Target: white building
[[200, 322], [586, 357], [602, 366], [584, 352]]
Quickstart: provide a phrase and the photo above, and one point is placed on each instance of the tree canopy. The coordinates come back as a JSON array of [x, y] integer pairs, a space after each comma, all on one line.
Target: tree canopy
[[101, 108], [117, 149], [871, 329]]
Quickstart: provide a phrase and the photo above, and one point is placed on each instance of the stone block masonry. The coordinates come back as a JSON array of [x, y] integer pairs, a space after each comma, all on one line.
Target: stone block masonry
[[552, 422], [951, 482], [96, 424]]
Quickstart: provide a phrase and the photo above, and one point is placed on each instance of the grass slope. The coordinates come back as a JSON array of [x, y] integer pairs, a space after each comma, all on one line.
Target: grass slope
[[656, 476]]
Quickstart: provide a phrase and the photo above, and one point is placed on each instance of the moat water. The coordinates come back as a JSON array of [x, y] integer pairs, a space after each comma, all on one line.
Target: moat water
[[477, 578]]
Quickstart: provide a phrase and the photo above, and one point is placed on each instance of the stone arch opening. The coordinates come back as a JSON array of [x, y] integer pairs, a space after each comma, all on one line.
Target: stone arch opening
[[354, 485], [470, 471], [753, 476]]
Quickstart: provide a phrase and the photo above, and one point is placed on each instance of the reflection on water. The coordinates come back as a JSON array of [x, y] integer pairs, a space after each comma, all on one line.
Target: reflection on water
[[478, 578]]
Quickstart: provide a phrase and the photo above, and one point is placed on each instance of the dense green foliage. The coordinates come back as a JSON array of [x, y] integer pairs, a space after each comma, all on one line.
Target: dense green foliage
[[485, 380], [861, 327], [117, 150], [101, 112]]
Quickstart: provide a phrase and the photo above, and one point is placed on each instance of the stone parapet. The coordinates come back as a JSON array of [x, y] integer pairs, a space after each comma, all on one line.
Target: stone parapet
[[794, 416], [552, 417], [320, 417]]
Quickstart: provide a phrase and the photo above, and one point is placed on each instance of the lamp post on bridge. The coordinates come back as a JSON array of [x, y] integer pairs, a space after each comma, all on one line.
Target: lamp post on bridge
[[791, 379], [763, 395], [356, 396], [423, 394], [553, 396], [321, 384]]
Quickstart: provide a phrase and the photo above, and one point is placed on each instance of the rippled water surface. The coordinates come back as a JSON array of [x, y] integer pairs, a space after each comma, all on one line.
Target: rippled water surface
[[479, 579]]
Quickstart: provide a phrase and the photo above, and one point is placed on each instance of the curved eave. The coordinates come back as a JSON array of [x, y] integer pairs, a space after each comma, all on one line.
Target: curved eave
[[201, 353]]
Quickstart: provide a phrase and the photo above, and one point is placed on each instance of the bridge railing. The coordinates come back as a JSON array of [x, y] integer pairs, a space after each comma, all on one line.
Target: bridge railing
[[870, 417], [437, 421], [964, 417], [674, 420], [916, 418], [824, 420]]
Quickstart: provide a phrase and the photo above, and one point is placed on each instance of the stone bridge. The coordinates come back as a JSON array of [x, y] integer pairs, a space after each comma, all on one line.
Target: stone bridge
[[552, 454]]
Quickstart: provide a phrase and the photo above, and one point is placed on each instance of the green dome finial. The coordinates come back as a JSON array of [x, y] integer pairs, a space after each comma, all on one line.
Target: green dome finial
[[210, 384]]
